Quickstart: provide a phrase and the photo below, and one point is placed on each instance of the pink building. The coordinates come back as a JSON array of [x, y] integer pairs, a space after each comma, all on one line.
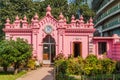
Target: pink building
[[50, 36]]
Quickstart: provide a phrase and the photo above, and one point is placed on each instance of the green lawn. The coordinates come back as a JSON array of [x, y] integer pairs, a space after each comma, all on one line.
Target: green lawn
[[10, 75]]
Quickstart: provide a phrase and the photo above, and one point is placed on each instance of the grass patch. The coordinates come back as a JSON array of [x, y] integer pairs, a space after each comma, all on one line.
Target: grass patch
[[10, 75]]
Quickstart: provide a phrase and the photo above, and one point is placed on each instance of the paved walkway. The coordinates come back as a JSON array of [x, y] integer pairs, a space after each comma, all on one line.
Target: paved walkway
[[43, 73]]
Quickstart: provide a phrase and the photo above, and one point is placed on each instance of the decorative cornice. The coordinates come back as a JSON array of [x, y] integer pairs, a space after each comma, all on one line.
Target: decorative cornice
[[104, 38], [79, 30], [17, 30]]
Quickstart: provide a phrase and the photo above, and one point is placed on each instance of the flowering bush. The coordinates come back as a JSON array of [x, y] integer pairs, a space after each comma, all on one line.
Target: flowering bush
[[89, 66]]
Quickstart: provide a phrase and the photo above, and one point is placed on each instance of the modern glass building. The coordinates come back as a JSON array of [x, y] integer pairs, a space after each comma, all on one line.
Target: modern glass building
[[107, 19]]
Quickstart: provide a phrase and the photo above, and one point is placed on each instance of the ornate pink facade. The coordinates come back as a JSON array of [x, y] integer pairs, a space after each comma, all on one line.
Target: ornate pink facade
[[50, 36]]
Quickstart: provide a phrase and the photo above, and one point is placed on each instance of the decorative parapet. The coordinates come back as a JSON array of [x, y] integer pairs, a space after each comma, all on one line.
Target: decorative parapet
[[76, 25], [17, 24], [80, 24]]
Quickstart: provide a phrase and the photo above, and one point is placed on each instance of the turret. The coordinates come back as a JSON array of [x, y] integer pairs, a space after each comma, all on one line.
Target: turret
[[81, 21], [73, 19], [61, 18], [91, 22], [24, 22], [16, 22], [7, 25], [35, 21]]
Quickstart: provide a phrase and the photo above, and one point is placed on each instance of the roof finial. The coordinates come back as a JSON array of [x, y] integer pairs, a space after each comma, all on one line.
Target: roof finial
[[7, 20], [7, 25], [48, 8], [32, 20], [73, 18], [17, 18], [36, 16], [25, 18], [81, 17], [61, 16], [91, 22]]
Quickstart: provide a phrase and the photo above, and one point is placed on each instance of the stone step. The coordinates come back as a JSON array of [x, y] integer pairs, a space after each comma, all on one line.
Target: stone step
[[47, 65]]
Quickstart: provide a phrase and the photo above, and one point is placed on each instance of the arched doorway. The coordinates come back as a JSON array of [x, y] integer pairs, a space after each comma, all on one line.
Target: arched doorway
[[48, 49]]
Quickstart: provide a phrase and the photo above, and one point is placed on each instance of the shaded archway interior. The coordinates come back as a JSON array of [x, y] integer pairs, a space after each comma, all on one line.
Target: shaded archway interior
[[49, 48]]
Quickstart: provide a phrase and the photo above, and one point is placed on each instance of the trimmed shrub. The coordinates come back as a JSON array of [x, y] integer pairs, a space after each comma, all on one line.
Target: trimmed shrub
[[74, 66], [109, 66], [60, 56], [31, 64], [91, 66]]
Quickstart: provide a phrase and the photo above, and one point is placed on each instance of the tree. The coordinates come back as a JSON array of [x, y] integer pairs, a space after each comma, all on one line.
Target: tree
[[15, 52], [5, 51], [86, 11], [11, 8], [23, 53]]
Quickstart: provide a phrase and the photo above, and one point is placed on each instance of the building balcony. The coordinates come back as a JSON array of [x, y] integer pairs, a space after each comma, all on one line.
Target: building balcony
[[103, 6], [111, 25], [112, 11]]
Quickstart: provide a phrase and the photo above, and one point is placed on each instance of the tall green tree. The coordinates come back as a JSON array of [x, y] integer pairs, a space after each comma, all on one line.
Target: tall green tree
[[79, 8], [11, 8], [14, 52], [86, 11]]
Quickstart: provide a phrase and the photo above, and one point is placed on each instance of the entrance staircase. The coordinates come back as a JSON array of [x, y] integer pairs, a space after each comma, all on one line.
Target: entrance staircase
[[48, 65]]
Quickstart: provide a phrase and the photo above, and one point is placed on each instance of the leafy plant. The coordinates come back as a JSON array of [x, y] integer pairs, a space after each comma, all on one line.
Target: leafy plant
[[31, 64], [90, 66], [59, 56], [108, 65], [14, 52]]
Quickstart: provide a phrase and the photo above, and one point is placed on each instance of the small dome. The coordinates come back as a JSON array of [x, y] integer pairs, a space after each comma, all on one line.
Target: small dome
[[61, 16], [91, 20], [87, 23], [73, 17], [32, 19], [17, 18], [48, 8], [65, 19], [7, 20], [81, 17], [25, 18], [36, 16]]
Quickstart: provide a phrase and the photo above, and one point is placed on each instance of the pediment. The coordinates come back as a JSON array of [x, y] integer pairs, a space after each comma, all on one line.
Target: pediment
[[48, 20]]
